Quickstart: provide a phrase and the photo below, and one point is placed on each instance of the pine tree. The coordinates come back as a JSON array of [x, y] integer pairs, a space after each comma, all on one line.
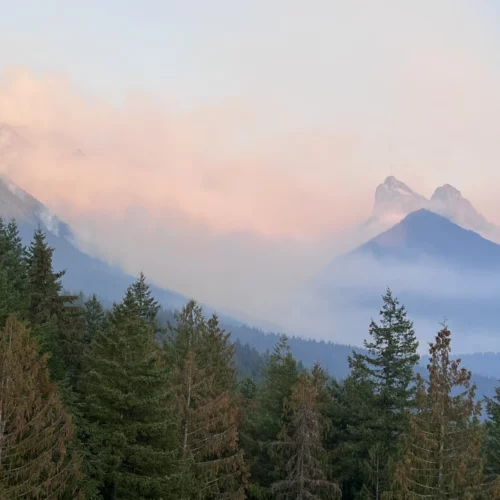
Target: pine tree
[[57, 324], [301, 449], [44, 285], [35, 430], [13, 279], [248, 388], [320, 381], [147, 304], [352, 410], [95, 318], [130, 426], [204, 380], [443, 455], [14, 256], [264, 423], [389, 367]]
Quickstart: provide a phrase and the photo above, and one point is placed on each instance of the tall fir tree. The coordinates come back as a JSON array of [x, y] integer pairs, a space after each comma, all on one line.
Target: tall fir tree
[[13, 279], [44, 285], [204, 381], [131, 429], [300, 446], [443, 454], [265, 422], [388, 367], [35, 429], [14, 256], [57, 324], [95, 318], [351, 437], [148, 306]]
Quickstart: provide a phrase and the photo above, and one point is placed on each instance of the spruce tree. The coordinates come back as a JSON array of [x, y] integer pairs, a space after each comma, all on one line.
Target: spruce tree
[[14, 256], [57, 324], [44, 285], [443, 454], [35, 429], [265, 422], [130, 426], [352, 410], [204, 381], [95, 318], [388, 366], [148, 306], [300, 447], [320, 380], [13, 279]]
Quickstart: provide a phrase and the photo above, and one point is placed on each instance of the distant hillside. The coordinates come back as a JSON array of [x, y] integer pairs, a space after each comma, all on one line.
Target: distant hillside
[[333, 357], [84, 272], [254, 345], [424, 235], [439, 270]]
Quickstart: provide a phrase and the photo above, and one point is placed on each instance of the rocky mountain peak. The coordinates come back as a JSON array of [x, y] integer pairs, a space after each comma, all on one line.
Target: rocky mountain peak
[[395, 199], [446, 193], [449, 202]]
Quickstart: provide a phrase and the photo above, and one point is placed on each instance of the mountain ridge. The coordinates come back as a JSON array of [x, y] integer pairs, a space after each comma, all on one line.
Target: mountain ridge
[[85, 273], [394, 200], [440, 271]]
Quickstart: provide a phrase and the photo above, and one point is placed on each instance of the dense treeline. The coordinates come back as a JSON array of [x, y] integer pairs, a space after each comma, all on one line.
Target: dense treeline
[[120, 402]]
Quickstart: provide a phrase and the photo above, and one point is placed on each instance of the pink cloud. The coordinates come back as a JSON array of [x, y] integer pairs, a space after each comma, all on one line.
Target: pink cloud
[[208, 164]]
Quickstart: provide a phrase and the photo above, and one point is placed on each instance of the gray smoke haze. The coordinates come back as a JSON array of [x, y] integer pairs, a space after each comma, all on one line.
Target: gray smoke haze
[[239, 199], [338, 305]]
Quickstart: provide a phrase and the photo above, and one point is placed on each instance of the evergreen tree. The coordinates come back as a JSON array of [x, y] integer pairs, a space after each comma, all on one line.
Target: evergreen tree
[[95, 318], [71, 328], [131, 429], [265, 423], [204, 380], [57, 324], [388, 365], [147, 304], [35, 429], [44, 285], [443, 451], [14, 256], [248, 388], [13, 277], [319, 378], [352, 410], [301, 449]]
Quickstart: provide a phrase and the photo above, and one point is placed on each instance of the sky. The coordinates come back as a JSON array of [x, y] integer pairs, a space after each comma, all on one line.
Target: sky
[[228, 144]]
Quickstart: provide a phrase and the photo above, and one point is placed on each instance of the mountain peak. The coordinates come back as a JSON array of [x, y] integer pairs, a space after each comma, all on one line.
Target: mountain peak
[[394, 199], [425, 234], [446, 192], [449, 202], [392, 183]]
